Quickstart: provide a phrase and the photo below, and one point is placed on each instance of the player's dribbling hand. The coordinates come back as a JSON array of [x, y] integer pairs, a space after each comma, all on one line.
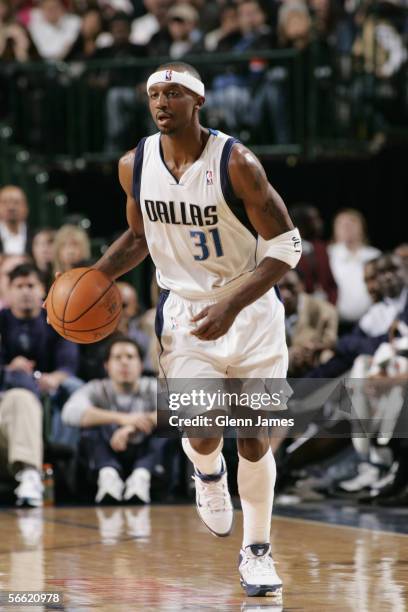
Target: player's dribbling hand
[[218, 318]]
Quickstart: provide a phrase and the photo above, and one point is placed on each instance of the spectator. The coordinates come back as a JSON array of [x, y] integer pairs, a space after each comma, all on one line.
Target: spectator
[[118, 415], [43, 253], [129, 324], [348, 253], [143, 28], [92, 357], [371, 281], [228, 27], [120, 47], [123, 99], [7, 264], [181, 35], [294, 25], [21, 451], [5, 13], [331, 26], [86, 42], [15, 236], [379, 46], [249, 95], [314, 266], [402, 252], [16, 44], [72, 248], [53, 29], [373, 327], [28, 343], [311, 326]]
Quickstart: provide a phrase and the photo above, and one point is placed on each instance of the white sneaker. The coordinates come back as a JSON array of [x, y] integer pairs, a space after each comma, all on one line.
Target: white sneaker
[[111, 523], [138, 485], [367, 475], [213, 501], [258, 574], [110, 486], [30, 490]]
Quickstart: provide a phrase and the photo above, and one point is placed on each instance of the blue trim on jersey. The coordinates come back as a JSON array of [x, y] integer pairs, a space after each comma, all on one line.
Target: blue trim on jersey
[[278, 293], [213, 132], [159, 320], [137, 169], [226, 186]]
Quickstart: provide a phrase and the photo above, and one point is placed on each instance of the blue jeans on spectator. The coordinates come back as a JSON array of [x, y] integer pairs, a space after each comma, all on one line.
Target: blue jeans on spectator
[[60, 432], [148, 454]]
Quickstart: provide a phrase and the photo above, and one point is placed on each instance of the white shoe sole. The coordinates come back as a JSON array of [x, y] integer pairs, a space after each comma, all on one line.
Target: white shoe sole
[[264, 590], [214, 533]]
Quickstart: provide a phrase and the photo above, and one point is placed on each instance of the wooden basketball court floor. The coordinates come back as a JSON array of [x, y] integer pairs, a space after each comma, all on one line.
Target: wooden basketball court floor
[[162, 558]]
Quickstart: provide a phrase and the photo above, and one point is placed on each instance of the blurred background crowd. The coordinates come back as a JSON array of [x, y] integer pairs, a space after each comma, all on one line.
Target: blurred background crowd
[[345, 59], [89, 410], [300, 81]]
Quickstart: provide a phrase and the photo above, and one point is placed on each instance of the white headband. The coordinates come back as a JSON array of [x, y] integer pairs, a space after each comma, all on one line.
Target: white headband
[[182, 78]]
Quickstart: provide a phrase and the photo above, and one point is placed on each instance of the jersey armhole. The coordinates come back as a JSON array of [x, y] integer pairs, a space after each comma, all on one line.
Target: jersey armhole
[[227, 189], [137, 169], [235, 204]]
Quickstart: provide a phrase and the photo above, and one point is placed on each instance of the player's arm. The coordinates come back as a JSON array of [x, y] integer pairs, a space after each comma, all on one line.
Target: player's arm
[[130, 249], [279, 245]]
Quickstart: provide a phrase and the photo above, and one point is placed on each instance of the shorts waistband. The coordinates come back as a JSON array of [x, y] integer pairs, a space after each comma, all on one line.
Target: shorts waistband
[[212, 296]]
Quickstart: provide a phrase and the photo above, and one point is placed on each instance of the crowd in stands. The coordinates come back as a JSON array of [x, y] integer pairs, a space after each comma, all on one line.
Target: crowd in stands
[[91, 409], [365, 36], [80, 29]]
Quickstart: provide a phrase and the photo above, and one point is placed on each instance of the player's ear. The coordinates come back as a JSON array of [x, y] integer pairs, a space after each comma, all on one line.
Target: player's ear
[[199, 102]]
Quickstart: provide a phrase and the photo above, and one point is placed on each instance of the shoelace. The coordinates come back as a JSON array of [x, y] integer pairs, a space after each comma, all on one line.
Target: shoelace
[[215, 496]]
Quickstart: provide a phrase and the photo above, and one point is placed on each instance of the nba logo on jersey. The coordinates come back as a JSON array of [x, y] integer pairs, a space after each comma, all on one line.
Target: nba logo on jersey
[[168, 75], [209, 177]]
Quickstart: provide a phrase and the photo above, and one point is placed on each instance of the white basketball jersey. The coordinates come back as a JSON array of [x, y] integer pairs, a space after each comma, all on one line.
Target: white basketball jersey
[[197, 231]]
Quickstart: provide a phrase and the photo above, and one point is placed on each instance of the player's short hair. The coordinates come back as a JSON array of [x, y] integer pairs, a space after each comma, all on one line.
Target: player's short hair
[[23, 270], [121, 339], [180, 67]]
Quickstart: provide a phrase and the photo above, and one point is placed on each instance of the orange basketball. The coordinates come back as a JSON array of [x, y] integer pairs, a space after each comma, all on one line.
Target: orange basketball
[[83, 305]]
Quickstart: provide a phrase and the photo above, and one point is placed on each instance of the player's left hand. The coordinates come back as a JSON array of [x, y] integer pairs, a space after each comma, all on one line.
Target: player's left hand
[[218, 318]]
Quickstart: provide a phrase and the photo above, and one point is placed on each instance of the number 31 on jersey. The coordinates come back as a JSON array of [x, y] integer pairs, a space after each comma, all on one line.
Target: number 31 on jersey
[[200, 241]]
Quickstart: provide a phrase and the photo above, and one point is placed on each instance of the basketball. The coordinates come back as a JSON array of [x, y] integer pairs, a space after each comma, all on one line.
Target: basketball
[[84, 305]]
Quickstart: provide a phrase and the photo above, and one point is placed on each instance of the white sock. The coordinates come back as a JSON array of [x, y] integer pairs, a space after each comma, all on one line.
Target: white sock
[[206, 464], [256, 483]]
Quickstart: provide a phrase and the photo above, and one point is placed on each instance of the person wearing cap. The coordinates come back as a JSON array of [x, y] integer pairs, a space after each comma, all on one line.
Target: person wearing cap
[[181, 35], [221, 238]]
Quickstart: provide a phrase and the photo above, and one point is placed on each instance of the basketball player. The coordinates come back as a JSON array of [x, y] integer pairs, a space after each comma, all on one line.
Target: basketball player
[[220, 236]]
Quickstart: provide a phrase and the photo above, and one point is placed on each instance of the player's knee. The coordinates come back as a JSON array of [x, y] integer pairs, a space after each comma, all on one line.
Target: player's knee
[[204, 446], [253, 449]]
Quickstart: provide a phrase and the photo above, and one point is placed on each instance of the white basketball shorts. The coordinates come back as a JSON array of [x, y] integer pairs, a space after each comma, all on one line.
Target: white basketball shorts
[[253, 347]]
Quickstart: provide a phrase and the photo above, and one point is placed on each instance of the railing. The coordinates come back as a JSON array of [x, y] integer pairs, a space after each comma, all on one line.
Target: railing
[[276, 101], [65, 110]]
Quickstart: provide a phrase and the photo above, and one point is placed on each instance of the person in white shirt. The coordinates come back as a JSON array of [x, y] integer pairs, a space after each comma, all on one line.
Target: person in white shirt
[[348, 253], [13, 217], [53, 30], [144, 27]]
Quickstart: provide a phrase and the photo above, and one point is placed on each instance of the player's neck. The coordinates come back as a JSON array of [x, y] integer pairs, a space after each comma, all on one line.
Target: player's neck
[[186, 146]]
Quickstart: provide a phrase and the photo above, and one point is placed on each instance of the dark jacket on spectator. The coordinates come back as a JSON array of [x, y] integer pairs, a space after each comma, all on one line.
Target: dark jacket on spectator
[[314, 269], [37, 341]]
